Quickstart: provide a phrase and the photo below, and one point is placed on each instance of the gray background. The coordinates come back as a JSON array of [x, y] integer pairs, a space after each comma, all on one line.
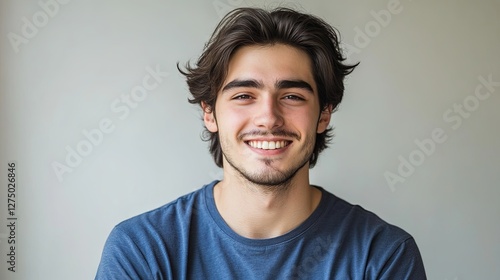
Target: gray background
[[414, 69]]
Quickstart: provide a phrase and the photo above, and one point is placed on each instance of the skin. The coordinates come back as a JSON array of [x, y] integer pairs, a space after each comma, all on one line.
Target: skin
[[269, 94]]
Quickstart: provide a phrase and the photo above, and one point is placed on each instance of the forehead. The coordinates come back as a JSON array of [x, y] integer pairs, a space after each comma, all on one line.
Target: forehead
[[270, 63]]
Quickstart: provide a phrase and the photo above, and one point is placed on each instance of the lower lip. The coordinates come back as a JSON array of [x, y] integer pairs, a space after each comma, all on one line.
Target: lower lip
[[269, 152]]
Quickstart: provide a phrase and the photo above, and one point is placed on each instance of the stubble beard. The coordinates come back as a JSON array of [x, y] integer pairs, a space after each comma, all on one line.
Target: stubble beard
[[273, 180]]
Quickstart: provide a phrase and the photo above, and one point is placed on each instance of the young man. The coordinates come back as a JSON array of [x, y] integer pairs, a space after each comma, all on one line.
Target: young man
[[267, 83]]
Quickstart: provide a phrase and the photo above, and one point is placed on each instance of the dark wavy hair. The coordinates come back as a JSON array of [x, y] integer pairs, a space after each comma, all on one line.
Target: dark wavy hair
[[254, 26]]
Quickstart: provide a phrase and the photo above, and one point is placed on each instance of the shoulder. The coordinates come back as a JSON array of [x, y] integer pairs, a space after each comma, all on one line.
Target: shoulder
[[361, 222], [173, 215], [141, 246], [387, 251]]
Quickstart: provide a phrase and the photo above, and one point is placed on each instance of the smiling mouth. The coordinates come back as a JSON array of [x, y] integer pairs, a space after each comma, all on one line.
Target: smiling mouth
[[268, 145]]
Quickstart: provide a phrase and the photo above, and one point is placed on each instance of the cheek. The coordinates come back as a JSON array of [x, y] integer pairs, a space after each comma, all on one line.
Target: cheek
[[231, 120], [305, 120]]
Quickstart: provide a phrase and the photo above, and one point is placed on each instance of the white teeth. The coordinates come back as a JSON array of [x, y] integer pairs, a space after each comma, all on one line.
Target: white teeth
[[267, 145], [272, 145]]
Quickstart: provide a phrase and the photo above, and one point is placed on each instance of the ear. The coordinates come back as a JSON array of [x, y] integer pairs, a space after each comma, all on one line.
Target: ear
[[324, 119], [209, 118]]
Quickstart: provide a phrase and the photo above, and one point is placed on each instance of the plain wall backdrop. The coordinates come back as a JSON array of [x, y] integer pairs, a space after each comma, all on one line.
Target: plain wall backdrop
[[417, 134]]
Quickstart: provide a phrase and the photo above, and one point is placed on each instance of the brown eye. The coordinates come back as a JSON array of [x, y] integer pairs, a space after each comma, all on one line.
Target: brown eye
[[294, 97], [242, 96]]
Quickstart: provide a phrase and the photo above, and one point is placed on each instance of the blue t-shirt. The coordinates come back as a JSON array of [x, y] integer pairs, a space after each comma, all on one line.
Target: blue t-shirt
[[188, 239]]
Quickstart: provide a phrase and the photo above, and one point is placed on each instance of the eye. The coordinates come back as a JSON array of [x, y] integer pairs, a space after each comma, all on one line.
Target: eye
[[293, 97], [242, 97]]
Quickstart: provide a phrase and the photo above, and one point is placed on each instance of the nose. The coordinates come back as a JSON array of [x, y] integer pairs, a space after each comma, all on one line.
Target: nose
[[268, 114]]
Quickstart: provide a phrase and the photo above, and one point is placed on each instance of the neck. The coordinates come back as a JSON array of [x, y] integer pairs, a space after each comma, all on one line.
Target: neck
[[256, 211]]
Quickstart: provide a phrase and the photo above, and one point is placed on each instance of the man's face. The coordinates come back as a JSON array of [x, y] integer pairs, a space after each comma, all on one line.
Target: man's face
[[267, 114]]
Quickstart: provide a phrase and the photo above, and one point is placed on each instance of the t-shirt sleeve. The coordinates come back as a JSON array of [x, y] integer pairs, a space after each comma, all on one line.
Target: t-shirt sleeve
[[405, 263], [122, 259]]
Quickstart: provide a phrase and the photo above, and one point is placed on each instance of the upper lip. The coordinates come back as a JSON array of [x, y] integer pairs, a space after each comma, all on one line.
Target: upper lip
[[267, 139]]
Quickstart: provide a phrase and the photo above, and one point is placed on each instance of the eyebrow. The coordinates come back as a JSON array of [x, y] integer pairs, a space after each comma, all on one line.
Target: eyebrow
[[281, 84], [243, 83]]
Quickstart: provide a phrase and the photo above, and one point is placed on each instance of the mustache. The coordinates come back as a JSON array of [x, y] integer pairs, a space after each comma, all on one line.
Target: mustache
[[275, 132]]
